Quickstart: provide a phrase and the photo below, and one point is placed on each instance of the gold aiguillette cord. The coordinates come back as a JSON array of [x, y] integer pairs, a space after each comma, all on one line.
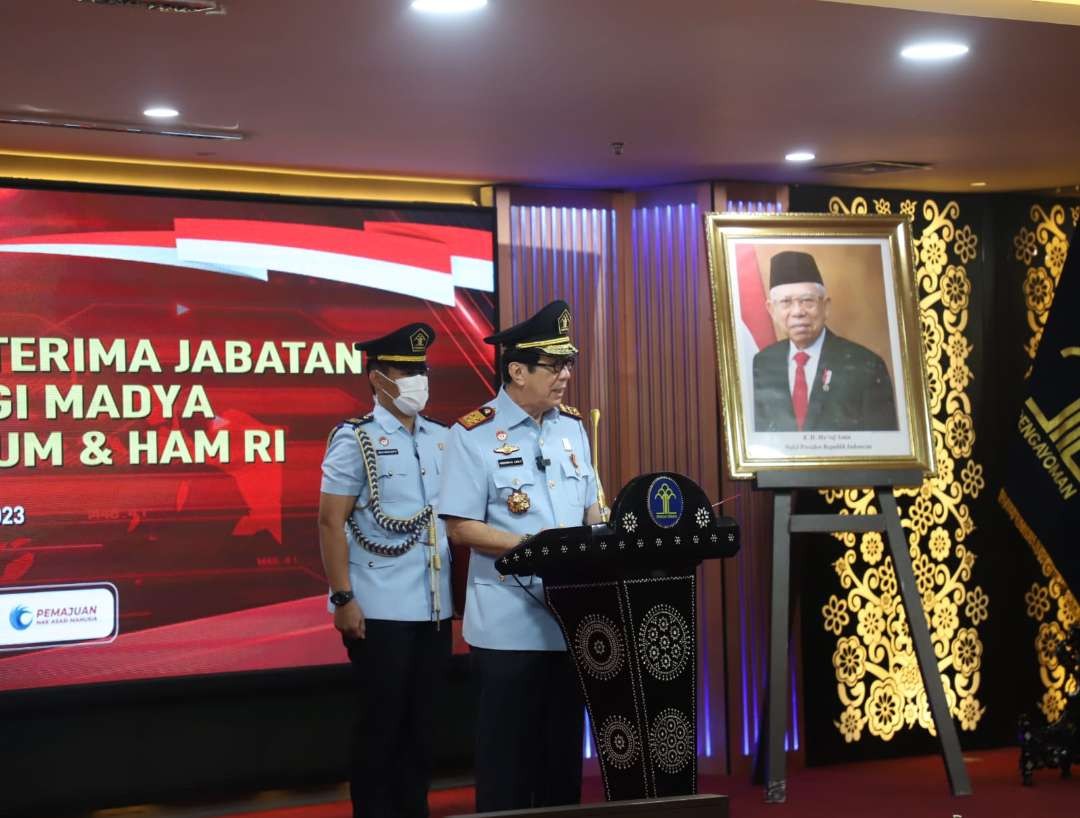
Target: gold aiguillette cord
[[605, 512], [434, 566]]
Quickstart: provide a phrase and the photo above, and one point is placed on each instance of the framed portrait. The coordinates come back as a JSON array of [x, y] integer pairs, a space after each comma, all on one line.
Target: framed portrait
[[818, 343]]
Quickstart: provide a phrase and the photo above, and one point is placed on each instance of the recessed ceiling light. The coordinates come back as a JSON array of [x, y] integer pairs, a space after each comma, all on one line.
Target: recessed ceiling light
[[800, 156], [448, 6], [934, 51], [151, 129], [161, 112], [978, 184]]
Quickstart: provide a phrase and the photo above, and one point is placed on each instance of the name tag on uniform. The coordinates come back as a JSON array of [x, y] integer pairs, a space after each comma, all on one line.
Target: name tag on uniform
[[386, 451], [511, 461]]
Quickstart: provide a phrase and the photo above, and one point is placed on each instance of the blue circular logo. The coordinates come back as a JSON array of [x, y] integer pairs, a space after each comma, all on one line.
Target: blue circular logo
[[21, 617], [665, 502]]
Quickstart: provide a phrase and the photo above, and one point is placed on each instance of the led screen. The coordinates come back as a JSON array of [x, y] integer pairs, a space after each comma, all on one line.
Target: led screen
[[170, 368]]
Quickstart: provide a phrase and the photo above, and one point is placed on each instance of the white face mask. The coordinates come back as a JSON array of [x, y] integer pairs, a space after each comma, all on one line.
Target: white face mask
[[412, 394]]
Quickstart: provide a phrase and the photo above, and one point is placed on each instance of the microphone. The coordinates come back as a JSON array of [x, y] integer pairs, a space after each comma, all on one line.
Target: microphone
[[542, 462]]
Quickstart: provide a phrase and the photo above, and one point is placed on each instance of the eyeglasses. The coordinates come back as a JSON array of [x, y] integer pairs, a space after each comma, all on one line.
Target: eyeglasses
[[806, 302], [558, 366]]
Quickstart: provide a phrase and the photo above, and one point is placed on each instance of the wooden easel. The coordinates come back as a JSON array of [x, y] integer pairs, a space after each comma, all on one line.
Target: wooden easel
[[785, 524]]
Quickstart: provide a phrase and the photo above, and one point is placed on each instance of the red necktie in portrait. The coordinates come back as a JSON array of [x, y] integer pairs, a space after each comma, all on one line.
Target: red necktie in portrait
[[800, 395]]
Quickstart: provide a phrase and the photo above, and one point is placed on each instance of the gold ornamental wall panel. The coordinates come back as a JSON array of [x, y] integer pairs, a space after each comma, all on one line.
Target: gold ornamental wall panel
[[1041, 247], [879, 689]]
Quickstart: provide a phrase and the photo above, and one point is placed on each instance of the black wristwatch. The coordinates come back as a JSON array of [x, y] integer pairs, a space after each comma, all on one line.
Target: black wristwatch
[[339, 598]]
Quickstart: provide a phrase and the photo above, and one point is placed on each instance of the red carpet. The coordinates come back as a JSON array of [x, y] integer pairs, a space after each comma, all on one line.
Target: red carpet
[[904, 788]]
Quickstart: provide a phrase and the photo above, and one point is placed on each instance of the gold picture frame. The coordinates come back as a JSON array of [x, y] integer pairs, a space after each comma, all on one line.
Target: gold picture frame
[[846, 292]]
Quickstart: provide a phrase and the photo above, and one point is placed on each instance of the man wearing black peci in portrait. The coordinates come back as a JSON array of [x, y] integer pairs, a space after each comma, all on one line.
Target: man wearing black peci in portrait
[[814, 380]]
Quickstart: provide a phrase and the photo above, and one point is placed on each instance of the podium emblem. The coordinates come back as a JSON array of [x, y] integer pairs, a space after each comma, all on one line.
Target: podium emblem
[[665, 502]]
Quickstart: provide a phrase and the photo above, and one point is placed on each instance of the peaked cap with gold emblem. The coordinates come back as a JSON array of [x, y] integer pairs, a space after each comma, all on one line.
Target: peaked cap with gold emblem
[[407, 345], [547, 331]]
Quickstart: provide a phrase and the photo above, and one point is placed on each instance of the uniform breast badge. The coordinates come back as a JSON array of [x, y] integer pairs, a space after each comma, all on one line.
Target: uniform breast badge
[[568, 447], [518, 502], [506, 448]]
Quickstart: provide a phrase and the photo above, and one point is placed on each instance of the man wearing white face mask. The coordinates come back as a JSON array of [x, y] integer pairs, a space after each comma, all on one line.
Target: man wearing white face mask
[[385, 553]]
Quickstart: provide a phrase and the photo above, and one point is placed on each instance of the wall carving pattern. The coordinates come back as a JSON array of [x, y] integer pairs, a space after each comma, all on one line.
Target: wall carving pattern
[[879, 687], [1041, 247]]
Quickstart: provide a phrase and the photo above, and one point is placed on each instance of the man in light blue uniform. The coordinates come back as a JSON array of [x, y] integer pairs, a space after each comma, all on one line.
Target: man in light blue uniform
[[513, 467], [385, 554]]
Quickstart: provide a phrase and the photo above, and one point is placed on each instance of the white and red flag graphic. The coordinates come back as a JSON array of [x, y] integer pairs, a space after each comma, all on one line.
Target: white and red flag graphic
[[471, 253], [424, 261], [755, 325]]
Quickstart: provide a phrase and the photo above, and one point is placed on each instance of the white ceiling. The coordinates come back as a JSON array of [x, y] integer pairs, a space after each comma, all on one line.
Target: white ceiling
[[536, 90]]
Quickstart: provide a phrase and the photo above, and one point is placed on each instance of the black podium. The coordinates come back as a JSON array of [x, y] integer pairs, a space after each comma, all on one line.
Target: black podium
[[624, 594]]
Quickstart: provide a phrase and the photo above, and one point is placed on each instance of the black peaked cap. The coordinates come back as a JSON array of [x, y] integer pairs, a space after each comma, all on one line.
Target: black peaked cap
[[547, 331], [407, 345]]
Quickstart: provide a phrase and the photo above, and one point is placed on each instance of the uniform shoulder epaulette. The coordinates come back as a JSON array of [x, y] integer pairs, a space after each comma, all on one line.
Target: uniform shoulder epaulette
[[436, 421], [354, 422], [570, 412], [476, 417]]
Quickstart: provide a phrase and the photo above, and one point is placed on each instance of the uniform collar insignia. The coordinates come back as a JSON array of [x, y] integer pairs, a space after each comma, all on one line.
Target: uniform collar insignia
[[477, 417]]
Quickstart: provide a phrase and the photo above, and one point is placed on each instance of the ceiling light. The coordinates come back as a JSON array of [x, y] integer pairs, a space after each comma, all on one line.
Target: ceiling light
[[161, 112], [448, 6], [44, 121], [207, 7], [934, 51], [800, 156], [978, 184]]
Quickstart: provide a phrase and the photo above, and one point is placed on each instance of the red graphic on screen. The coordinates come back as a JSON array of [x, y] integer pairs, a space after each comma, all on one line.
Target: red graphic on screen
[[216, 562]]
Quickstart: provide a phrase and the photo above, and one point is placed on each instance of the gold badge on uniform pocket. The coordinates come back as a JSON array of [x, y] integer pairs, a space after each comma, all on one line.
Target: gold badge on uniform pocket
[[518, 502]]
